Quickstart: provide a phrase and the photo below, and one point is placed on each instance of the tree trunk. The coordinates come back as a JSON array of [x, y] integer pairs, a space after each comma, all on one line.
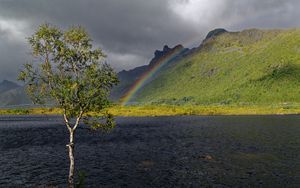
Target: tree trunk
[[71, 147], [71, 157]]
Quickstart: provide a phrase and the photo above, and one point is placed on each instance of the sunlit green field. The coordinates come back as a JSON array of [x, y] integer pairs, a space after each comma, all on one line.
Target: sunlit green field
[[169, 110]]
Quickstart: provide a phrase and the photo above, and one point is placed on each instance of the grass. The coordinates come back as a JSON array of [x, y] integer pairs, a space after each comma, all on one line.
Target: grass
[[31, 111], [168, 110], [172, 110], [252, 66]]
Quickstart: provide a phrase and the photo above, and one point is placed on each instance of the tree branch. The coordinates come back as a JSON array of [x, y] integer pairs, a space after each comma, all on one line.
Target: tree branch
[[67, 121], [78, 120]]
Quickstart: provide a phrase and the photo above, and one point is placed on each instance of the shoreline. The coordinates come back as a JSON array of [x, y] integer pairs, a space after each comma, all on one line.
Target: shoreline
[[168, 110]]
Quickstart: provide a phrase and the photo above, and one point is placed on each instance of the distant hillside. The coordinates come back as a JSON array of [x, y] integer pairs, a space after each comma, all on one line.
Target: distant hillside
[[248, 67], [12, 94], [6, 85]]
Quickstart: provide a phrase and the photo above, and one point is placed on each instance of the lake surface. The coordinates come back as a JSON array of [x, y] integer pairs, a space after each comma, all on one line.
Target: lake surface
[[216, 151]]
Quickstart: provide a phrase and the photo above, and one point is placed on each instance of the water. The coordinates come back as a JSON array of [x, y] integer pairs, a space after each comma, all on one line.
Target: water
[[232, 151]]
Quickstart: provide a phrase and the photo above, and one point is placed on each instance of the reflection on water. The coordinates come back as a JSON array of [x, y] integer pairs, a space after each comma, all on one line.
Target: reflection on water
[[232, 151]]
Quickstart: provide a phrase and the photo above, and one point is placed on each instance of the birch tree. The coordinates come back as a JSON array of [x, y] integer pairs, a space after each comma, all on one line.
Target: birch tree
[[69, 72]]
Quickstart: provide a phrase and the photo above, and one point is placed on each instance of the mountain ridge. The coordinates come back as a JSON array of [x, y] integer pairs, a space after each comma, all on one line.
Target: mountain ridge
[[248, 67], [6, 85], [12, 94], [252, 66]]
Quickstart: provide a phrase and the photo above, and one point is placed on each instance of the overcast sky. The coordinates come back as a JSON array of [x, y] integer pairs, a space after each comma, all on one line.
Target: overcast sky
[[129, 31]]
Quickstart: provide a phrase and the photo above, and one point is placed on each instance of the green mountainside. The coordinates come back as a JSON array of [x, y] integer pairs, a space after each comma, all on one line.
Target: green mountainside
[[251, 67], [248, 67]]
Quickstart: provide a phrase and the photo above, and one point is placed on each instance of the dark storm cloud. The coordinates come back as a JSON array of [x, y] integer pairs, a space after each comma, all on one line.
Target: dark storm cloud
[[11, 55], [112, 22], [130, 30], [264, 14]]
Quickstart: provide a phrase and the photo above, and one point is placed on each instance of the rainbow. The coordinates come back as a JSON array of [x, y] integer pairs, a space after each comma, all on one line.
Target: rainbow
[[138, 84]]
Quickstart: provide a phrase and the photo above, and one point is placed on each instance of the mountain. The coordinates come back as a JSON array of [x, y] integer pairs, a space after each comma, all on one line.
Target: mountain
[[215, 33], [14, 97], [12, 94], [128, 78], [6, 85], [248, 67]]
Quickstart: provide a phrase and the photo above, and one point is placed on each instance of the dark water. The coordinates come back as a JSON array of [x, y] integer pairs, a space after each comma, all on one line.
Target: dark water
[[234, 151]]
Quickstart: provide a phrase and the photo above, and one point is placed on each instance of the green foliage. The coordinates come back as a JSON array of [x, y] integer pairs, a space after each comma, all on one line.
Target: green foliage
[[104, 121], [248, 67], [68, 71], [19, 111]]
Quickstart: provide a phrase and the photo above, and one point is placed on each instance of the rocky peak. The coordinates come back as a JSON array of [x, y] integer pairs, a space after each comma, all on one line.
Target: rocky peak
[[166, 49], [179, 46], [215, 32], [158, 53]]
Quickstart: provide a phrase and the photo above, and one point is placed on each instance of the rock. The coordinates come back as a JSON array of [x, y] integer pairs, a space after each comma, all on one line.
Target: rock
[[215, 33], [206, 157], [166, 50], [146, 164]]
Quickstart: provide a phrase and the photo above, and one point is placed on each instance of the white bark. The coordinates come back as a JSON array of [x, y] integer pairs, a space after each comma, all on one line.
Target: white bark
[[71, 148], [72, 162]]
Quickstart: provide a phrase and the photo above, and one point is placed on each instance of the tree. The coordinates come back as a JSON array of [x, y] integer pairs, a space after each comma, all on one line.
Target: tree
[[70, 73]]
